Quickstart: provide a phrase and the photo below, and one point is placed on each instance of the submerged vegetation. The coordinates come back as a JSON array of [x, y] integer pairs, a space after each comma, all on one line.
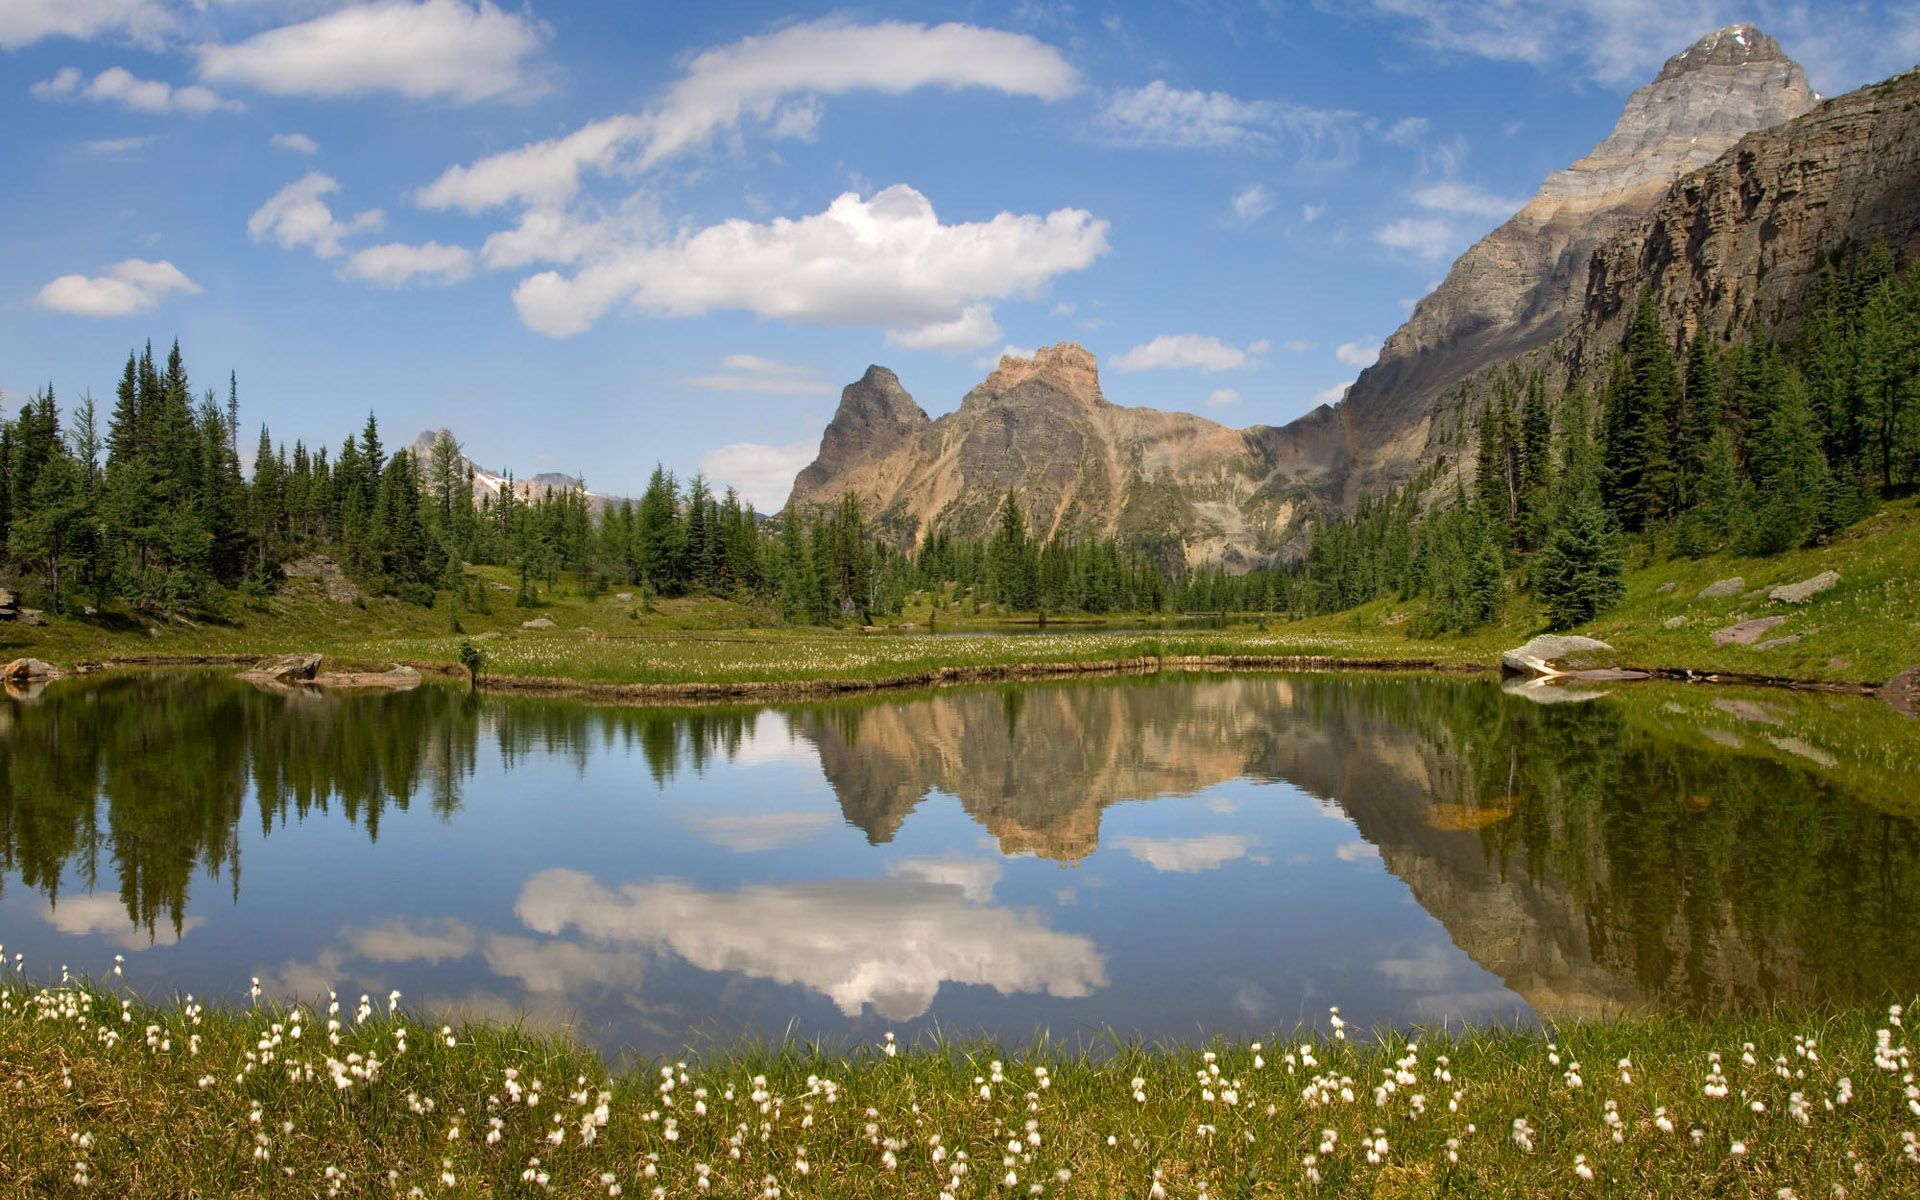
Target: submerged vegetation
[[108, 1094]]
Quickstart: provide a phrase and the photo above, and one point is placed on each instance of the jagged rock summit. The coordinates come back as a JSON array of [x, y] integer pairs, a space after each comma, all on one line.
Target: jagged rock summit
[[1515, 288]]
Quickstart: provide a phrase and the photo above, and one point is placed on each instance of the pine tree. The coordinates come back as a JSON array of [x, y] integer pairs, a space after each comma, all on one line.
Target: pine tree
[[1580, 573]]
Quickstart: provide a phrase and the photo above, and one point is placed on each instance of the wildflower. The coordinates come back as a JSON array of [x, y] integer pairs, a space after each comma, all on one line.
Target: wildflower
[[1581, 1168], [1523, 1134], [1737, 1149]]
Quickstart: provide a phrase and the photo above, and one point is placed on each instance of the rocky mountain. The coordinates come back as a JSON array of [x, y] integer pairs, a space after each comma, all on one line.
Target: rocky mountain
[[1216, 494], [490, 483], [1042, 427]]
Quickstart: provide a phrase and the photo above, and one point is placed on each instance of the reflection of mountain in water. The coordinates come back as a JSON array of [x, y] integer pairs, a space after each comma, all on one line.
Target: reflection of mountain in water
[[1584, 854], [1589, 864]]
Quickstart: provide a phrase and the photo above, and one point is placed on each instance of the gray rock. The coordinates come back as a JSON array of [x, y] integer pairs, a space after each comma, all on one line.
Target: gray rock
[[1746, 633], [1723, 587], [1666, 587], [537, 623], [31, 616], [624, 597], [287, 668], [1776, 643], [1538, 657], [1674, 622], [25, 670], [1806, 589]]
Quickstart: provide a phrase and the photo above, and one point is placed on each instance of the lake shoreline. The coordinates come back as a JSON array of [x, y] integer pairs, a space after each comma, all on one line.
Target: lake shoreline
[[827, 685]]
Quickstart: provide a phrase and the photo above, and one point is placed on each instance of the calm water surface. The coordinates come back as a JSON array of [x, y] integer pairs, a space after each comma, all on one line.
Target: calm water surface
[[1156, 857]]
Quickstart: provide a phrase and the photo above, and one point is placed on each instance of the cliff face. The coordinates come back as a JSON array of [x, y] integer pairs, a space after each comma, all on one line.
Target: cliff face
[[1734, 248], [1517, 287], [1042, 427]]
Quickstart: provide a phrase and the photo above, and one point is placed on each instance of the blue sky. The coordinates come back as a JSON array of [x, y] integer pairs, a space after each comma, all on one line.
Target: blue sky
[[592, 236]]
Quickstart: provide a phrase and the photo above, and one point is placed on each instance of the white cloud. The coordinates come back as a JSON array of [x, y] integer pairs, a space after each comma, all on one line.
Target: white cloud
[[1310, 213], [434, 49], [1332, 395], [762, 474], [1179, 351], [1357, 354], [1296, 345], [1252, 202], [1355, 852], [105, 915], [749, 833], [972, 329], [117, 85], [296, 216], [888, 944], [432, 940], [1222, 398], [885, 262], [1465, 199], [23, 22], [752, 373], [299, 143], [1185, 854], [397, 264], [133, 286], [1429, 237], [1160, 116], [1407, 130], [117, 146], [772, 79]]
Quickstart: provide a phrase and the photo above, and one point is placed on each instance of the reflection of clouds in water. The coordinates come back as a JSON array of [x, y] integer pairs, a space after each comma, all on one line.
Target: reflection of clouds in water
[[1203, 853], [773, 742], [1354, 852], [889, 943], [975, 877], [543, 965], [107, 915], [432, 940], [1448, 986], [745, 833]]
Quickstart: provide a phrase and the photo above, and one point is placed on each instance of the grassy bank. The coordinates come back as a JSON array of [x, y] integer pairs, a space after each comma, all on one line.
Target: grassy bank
[[1863, 630], [111, 1096]]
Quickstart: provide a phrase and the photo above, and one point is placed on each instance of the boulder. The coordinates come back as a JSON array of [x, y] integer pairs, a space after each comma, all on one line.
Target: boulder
[[1806, 589], [537, 623], [1746, 633], [624, 597], [6, 598], [1776, 643], [1903, 691], [1723, 587], [25, 670], [31, 616], [1673, 622], [287, 668], [1666, 587], [1539, 656]]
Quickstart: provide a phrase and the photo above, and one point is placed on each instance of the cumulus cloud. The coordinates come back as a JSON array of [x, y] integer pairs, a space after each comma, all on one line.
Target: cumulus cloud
[[1178, 351], [132, 286], [1357, 354], [397, 264], [1206, 852], [752, 373], [885, 262], [1428, 237], [431, 940], [106, 916], [117, 85], [299, 143], [888, 944], [1222, 398], [972, 329], [1165, 117], [1332, 395], [773, 80], [297, 216], [1465, 199], [760, 473], [1252, 202], [23, 22], [433, 49]]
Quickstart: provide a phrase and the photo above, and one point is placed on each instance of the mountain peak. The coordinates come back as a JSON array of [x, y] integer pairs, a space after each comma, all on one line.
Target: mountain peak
[[1068, 367], [1734, 46]]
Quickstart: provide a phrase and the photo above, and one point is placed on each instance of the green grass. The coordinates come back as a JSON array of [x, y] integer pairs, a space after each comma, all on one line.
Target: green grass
[[108, 1095], [1864, 630]]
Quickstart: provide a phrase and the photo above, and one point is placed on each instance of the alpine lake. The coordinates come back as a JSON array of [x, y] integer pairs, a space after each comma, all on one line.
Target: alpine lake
[[1157, 857]]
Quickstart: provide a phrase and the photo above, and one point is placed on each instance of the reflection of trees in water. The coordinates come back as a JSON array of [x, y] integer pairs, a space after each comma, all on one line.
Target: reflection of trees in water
[[1551, 840]]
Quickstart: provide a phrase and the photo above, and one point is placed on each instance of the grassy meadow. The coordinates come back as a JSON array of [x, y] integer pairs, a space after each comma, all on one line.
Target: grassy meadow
[[110, 1095]]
